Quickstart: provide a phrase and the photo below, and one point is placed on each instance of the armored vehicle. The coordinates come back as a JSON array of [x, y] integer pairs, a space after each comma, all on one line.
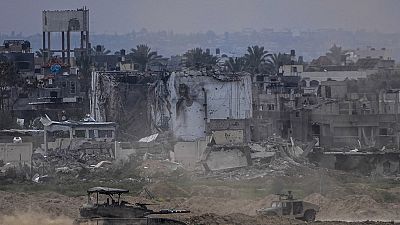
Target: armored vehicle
[[114, 211], [289, 207]]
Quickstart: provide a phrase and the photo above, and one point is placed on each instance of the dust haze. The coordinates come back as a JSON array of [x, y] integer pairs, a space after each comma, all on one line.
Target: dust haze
[[185, 16], [31, 217]]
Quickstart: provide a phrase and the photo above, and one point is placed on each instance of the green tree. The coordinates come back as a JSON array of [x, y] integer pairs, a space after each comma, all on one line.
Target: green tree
[[143, 56], [275, 61], [255, 57], [335, 54], [196, 58], [236, 64]]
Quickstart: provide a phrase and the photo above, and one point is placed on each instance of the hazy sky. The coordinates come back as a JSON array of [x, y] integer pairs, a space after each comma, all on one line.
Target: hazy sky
[[123, 16]]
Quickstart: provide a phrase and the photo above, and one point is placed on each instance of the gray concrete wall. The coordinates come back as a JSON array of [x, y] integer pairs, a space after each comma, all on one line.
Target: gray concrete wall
[[189, 153], [16, 152], [226, 159], [228, 99]]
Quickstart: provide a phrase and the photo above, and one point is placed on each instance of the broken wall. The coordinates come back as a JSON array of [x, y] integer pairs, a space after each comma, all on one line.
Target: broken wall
[[16, 153], [189, 153], [123, 150], [221, 137], [233, 130], [226, 157], [195, 99], [124, 98]]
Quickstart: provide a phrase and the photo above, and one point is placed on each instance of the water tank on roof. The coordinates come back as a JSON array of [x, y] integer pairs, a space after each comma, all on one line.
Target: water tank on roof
[[98, 48]]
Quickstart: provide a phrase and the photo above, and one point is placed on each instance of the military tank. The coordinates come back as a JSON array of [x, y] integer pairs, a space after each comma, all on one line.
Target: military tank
[[114, 211]]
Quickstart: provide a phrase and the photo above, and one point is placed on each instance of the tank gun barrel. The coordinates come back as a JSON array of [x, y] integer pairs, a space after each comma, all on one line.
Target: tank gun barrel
[[168, 211]]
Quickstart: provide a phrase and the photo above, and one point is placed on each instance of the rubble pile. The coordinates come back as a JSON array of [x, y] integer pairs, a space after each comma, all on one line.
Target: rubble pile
[[274, 157], [84, 154]]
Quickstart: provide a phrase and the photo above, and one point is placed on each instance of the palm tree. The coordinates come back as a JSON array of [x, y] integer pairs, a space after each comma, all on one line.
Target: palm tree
[[275, 61], [143, 56], [197, 58], [236, 64], [255, 57]]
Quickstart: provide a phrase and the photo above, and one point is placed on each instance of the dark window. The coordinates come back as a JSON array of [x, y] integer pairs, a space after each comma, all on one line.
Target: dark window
[[260, 78], [297, 208], [287, 208], [23, 65], [105, 133], [385, 131], [314, 83], [53, 94], [328, 92], [72, 87], [386, 167], [91, 134], [80, 133]]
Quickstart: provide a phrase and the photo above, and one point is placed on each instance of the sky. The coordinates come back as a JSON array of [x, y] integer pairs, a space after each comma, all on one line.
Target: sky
[[186, 16]]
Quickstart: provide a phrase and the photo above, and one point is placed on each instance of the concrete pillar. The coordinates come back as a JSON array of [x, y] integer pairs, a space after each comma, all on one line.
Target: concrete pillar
[[82, 37], [71, 134], [87, 39], [44, 46], [68, 47], [63, 46], [46, 146], [48, 42]]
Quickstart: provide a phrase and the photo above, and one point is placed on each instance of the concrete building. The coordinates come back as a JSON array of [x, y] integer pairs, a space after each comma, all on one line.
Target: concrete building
[[19, 53], [90, 130]]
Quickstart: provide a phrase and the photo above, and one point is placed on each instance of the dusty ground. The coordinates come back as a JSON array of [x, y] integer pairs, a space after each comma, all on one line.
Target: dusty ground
[[220, 199]]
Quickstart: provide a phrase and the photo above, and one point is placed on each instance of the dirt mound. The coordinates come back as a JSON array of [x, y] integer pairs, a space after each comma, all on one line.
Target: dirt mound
[[165, 190], [353, 208], [49, 203], [250, 209], [217, 191], [241, 219], [317, 199], [31, 217], [221, 206], [236, 219]]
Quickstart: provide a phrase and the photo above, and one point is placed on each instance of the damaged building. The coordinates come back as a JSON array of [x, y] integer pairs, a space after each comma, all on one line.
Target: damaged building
[[203, 107], [195, 100]]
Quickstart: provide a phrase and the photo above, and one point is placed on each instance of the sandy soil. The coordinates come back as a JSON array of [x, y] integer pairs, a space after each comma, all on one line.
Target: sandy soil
[[52, 208]]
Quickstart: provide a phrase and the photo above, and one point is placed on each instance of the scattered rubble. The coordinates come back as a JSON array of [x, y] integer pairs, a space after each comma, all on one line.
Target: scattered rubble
[[72, 158]]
